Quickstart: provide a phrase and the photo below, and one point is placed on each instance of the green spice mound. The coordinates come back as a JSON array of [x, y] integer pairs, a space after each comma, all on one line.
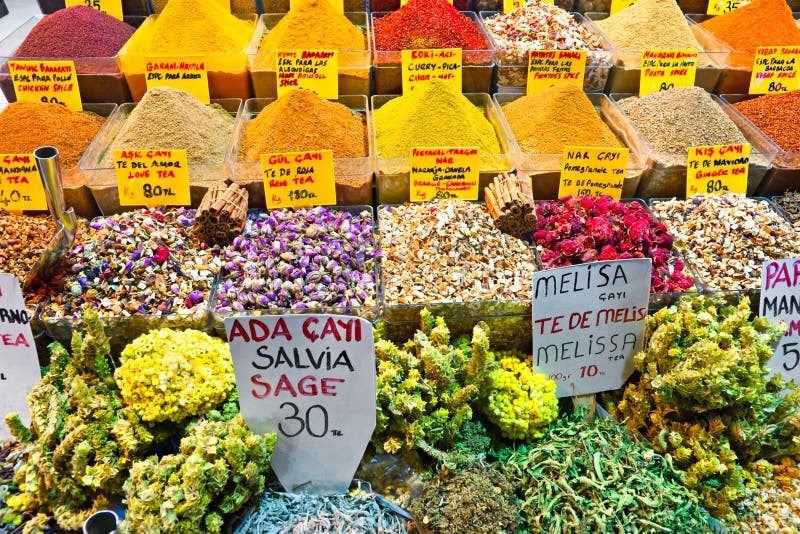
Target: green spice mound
[[433, 115], [220, 466], [592, 477], [169, 375], [705, 396], [85, 441], [169, 118], [479, 500]]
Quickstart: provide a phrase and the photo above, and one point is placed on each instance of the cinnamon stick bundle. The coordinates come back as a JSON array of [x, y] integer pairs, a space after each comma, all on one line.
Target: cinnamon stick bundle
[[222, 213], [509, 199]]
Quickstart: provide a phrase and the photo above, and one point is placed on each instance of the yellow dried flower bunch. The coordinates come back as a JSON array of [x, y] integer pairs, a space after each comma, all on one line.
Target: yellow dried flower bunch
[[169, 375]]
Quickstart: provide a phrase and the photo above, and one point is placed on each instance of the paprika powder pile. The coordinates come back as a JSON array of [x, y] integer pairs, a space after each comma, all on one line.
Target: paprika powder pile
[[777, 115], [760, 23], [25, 126]]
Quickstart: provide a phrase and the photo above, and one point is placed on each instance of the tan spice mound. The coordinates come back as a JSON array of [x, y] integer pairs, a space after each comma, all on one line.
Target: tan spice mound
[[302, 120], [547, 121]]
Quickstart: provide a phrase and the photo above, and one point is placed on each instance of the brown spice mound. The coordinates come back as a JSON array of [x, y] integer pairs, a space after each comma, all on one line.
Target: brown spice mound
[[547, 121], [25, 126], [302, 120]]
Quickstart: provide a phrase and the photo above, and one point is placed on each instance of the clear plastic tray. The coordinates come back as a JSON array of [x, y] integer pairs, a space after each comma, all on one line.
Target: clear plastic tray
[[545, 169], [353, 175], [509, 321], [476, 73], [393, 177], [627, 70], [370, 313], [497, 5], [667, 174], [102, 181], [76, 193], [228, 75], [354, 65], [512, 75], [100, 79], [785, 172]]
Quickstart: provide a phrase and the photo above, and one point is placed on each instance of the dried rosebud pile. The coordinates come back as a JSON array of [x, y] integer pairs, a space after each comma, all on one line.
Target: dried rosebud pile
[[309, 258], [580, 230]]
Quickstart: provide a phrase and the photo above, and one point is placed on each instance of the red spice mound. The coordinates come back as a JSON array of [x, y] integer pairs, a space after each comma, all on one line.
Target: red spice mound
[[427, 24], [778, 116], [76, 32], [579, 230]]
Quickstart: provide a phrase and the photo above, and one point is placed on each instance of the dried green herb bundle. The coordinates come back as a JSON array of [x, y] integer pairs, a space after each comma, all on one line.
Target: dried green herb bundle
[[85, 441], [221, 464], [704, 395], [592, 477]]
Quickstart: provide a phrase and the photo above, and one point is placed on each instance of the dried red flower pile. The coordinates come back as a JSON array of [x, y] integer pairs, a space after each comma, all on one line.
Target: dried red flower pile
[[579, 230]]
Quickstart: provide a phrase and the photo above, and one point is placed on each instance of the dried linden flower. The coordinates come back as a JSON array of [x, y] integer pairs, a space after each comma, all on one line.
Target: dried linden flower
[[169, 375]]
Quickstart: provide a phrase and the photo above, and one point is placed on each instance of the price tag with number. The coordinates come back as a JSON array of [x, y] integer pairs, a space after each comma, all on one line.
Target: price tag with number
[[298, 179], [310, 379], [720, 7], [55, 82], [110, 7], [444, 173], [20, 185], [775, 70], [19, 366], [152, 177], [780, 301], [592, 171], [714, 170], [663, 70], [588, 322], [314, 70]]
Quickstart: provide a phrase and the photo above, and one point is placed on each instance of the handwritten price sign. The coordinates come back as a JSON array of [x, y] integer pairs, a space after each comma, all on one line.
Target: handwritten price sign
[[20, 185], [663, 70], [775, 70], [422, 66], [547, 68], [110, 7], [444, 173], [54, 82], [310, 379], [780, 301], [718, 169], [299, 179], [152, 177]]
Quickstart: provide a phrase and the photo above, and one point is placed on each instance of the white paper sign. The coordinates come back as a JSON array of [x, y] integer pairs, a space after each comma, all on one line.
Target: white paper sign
[[588, 322], [310, 379], [780, 301], [19, 364]]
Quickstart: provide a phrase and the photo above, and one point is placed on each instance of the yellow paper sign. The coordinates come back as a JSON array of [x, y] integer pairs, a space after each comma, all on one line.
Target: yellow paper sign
[[775, 70], [111, 7], [720, 7], [46, 81], [20, 185], [547, 68], [511, 5], [663, 70], [619, 5], [298, 179], [187, 73], [444, 173], [714, 170], [315, 70], [152, 177], [338, 5], [422, 66], [593, 171]]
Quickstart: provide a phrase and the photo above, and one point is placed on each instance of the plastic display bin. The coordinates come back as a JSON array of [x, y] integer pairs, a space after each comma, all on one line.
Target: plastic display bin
[[666, 176], [476, 74], [512, 71], [738, 67], [102, 180], [99, 78], [353, 175], [497, 5], [393, 174], [625, 74], [370, 313], [228, 72], [354, 65], [129, 7], [785, 172], [509, 321], [545, 169]]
